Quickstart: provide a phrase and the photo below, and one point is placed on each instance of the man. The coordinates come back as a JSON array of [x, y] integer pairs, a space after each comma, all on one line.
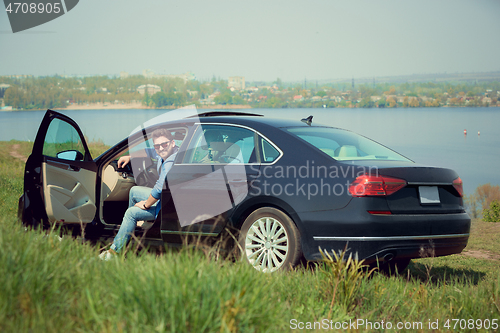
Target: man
[[144, 202]]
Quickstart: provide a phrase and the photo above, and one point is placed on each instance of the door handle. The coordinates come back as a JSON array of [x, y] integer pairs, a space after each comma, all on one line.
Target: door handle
[[73, 168], [238, 181]]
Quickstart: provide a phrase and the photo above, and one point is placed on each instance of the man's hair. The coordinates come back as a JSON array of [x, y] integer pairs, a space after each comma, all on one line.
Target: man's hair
[[162, 132]]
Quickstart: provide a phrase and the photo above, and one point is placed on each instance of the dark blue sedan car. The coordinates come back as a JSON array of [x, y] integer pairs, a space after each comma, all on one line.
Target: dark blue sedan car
[[287, 187]]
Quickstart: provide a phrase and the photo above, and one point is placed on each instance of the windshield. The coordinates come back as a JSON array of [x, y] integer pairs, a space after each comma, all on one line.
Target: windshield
[[344, 145]]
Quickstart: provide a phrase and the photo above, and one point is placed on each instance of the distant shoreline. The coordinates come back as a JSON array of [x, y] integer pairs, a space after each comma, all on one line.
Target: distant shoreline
[[135, 106], [112, 106]]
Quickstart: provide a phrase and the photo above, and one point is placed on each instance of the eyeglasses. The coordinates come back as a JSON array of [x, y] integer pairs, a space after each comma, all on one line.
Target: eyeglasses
[[163, 144]]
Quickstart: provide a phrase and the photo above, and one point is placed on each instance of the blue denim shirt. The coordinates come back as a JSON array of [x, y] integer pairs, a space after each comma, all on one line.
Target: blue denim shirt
[[163, 167]]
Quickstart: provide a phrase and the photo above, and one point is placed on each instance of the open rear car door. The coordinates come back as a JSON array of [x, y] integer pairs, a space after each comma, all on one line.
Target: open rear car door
[[60, 175]]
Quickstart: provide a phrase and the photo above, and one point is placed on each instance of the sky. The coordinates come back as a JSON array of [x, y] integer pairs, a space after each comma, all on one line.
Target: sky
[[260, 40]]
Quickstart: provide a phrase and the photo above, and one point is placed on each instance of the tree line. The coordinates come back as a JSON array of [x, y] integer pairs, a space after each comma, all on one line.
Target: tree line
[[59, 92]]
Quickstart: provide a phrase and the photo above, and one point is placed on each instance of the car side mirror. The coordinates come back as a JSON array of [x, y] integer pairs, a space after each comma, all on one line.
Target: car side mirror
[[72, 155]]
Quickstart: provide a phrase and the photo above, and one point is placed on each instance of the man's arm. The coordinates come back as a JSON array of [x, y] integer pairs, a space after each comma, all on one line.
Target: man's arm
[[156, 191], [124, 160]]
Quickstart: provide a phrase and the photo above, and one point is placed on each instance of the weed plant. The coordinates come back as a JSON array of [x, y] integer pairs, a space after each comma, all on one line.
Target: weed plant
[[344, 277]]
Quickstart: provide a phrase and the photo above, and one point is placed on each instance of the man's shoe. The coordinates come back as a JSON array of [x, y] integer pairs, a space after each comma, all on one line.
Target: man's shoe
[[107, 255]]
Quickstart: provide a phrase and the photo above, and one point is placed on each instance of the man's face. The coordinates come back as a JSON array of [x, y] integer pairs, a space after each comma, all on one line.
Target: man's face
[[163, 146]]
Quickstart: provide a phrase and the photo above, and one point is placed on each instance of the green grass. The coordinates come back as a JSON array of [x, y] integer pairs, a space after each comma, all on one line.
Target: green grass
[[52, 285], [487, 237]]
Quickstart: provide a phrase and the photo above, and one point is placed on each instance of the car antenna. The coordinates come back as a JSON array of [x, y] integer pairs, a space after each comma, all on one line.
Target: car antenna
[[308, 120]]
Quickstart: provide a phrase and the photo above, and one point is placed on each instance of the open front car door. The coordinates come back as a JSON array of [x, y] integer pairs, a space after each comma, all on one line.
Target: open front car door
[[60, 175]]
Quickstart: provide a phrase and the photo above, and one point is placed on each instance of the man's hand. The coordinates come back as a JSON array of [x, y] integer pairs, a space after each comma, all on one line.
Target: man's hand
[[146, 204], [123, 161], [141, 204]]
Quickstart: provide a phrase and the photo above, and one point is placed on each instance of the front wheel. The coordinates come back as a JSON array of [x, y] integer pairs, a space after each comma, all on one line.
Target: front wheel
[[270, 240]]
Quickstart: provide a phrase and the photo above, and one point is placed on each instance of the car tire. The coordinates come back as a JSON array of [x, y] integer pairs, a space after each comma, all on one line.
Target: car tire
[[270, 241]]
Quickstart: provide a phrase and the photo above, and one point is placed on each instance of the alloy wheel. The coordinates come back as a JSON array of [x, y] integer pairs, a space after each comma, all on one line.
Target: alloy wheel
[[266, 244]]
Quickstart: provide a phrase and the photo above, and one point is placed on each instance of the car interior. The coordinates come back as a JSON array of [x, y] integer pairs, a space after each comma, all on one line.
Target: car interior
[[222, 144]]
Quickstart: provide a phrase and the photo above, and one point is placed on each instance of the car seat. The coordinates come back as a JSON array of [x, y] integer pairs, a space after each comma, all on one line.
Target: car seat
[[346, 151]]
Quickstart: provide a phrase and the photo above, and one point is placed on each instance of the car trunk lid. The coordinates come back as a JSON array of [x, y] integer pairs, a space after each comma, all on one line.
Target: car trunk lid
[[429, 190]]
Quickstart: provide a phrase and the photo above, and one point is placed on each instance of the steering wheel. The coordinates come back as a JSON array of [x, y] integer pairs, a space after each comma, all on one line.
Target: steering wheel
[[150, 176], [228, 159]]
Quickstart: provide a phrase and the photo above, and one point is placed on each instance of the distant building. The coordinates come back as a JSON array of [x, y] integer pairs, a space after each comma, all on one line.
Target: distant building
[[207, 101], [19, 76], [123, 75], [150, 88], [215, 94], [147, 73], [188, 76], [237, 82], [3, 88]]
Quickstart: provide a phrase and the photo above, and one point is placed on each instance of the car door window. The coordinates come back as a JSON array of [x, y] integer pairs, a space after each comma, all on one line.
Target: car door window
[[63, 141], [221, 144]]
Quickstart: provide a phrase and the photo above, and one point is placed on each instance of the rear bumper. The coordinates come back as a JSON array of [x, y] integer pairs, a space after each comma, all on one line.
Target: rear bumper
[[395, 248], [389, 237]]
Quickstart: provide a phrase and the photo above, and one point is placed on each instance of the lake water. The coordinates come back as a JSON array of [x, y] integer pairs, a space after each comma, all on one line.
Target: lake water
[[431, 136]]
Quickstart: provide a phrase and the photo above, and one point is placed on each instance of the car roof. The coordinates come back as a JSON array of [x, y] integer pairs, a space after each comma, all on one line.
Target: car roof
[[254, 121], [249, 119]]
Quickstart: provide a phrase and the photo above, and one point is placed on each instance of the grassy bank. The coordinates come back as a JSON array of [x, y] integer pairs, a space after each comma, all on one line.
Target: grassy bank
[[52, 285]]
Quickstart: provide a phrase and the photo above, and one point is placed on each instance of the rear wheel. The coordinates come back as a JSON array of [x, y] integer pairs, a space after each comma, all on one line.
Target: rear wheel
[[270, 240]]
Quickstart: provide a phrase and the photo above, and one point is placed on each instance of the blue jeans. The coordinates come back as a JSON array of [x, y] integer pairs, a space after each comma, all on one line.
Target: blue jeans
[[132, 215]]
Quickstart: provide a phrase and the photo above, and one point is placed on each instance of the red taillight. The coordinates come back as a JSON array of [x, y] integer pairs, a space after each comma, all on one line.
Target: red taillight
[[375, 186], [458, 185], [380, 212]]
